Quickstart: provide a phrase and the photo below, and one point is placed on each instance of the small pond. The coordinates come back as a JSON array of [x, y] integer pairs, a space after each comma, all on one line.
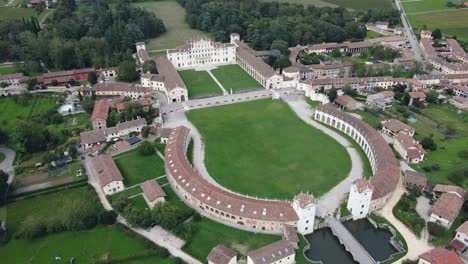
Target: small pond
[[325, 247]]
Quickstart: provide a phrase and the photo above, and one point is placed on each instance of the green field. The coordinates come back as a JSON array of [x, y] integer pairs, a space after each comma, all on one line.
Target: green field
[[451, 23], [87, 246], [136, 168], [235, 78], [317, 3], [263, 149], [16, 13], [173, 16], [426, 6], [365, 4], [7, 70], [372, 34], [199, 83], [211, 233], [157, 53]]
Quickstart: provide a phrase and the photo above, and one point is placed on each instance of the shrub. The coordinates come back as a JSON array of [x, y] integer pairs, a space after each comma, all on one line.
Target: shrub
[[427, 168], [435, 229], [178, 261], [459, 175], [146, 149], [463, 154], [428, 143], [435, 166]]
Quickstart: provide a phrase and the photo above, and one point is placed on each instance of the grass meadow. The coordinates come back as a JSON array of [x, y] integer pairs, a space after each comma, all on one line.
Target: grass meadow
[[353, 4], [451, 23], [263, 149], [136, 168], [7, 70], [235, 78], [199, 83], [173, 16], [426, 6]]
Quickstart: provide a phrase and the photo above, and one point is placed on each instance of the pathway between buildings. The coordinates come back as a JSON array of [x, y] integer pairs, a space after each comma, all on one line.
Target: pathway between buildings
[[217, 82], [330, 201], [416, 246], [7, 164]]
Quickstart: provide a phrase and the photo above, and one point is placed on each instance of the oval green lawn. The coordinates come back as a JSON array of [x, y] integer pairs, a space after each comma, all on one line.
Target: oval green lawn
[[263, 149]]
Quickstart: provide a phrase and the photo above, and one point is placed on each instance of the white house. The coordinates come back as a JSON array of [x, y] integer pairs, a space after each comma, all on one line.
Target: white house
[[408, 148], [446, 209], [108, 175], [381, 25], [360, 196], [165, 132], [462, 234], [222, 255], [275, 253], [304, 205], [152, 193], [202, 51]]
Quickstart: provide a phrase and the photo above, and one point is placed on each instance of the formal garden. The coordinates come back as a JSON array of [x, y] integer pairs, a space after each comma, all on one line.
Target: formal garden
[[199, 84], [233, 77], [263, 149]]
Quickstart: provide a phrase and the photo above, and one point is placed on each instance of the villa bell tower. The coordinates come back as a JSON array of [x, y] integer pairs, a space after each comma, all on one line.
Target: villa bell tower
[[304, 205]]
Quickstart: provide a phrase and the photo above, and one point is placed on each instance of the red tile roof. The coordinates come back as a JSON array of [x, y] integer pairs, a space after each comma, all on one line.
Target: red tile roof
[[106, 170], [396, 126], [152, 190], [221, 254], [444, 188], [447, 206], [463, 228], [440, 255], [165, 68], [272, 252]]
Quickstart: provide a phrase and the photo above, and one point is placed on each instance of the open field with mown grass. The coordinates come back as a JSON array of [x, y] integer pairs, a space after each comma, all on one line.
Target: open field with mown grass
[[136, 168], [263, 149], [318, 3], [210, 233], [412, 6], [372, 34], [199, 83], [88, 246], [235, 78], [8, 69], [173, 16], [16, 13], [451, 23], [364, 4]]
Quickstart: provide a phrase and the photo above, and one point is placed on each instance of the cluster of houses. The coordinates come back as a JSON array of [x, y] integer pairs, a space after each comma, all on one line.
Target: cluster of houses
[[404, 143]]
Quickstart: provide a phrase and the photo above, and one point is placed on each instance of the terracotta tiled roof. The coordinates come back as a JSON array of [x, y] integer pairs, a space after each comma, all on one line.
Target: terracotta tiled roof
[[447, 206], [272, 252], [101, 109], [444, 188], [257, 63], [18, 75], [152, 190], [420, 95], [92, 137], [414, 177], [106, 170], [290, 233], [345, 100], [201, 189], [463, 228], [440, 255], [131, 123], [117, 86], [304, 199], [362, 185], [165, 68], [221, 254]]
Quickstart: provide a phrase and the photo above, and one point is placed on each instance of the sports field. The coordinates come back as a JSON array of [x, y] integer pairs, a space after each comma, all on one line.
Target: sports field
[[199, 83], [235, 78], [136, 168], [173, 16], [263, 149], [90, 246]]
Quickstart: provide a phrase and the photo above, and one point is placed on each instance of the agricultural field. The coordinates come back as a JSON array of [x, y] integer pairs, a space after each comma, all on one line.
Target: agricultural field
[[235, 78], [199, 83], [450, 22], [318, 3], [365, 4], [114, 242], [420, 6], [136, 168], [16, 13], [263, 149], [157, 53], [173, 16], [210, 233]]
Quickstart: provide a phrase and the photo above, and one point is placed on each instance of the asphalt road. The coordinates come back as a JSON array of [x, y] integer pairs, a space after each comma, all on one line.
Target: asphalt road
[[409, 33]]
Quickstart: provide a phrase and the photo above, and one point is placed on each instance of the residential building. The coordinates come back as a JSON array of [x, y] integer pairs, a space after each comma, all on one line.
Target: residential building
[[439, 255], [392, 127], [347, 102], [381, 100], [63, 77], [13, 80], [408, 148], [277, 252], [446, 209], [381, 25], [165, 132], [115, 89], [415, 179], [330, 69], [426, 34], [290, 234], [459, 102], [417, 97], [304, 204], [359, 200], [108, 175], [152, 193], [222, 255], [444, 188], [462, 234]]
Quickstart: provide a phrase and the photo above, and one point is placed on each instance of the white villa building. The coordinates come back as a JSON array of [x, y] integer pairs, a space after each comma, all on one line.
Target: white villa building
[[304, 205], [360, 196], [108, 175], [202, 51], [275, 253]]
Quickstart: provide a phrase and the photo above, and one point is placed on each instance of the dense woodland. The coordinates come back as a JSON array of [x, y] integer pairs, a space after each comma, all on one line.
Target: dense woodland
[[261, 23], [78, 37]]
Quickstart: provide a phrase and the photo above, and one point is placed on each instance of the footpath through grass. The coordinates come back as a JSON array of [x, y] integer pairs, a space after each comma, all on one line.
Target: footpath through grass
[[235, 78], [263, 149], [199, 83], [136, 168]]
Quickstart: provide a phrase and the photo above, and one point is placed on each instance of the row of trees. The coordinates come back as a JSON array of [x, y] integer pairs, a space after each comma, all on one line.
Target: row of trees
[[261, 23], [96, 36]]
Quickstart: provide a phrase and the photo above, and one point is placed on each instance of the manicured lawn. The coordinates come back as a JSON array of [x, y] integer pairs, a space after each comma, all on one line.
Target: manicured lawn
[[88, 246], [199, 83], [405, 211], [235, 78], [157, 53], [263, 149], [127, 193], [426, 6], [7, 70], [136, 168], [372, 34], [300, 258], [313, 104], [173, 16], [47, 207], [139, 202], [364, 4], [451, 23], [210, 233]]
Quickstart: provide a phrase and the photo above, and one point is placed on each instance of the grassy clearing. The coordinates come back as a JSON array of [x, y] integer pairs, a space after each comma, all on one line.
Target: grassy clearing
[[262, 149], [16, 13], [369, 118], [88, 246], [199, 83], [210, 233], [173, 16], [312, 103], [7, 70], [447, 116], [317, 3], [235, 78], [372, 34], [157, 53], [451, 23], [364, 4], [426, 6], [136, 168]]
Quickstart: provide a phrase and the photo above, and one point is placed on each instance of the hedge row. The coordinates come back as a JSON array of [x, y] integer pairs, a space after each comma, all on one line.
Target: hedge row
[[48, 190]]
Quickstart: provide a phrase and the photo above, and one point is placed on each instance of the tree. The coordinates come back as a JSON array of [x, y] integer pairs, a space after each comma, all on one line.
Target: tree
[[282, 62], [336, 53], [459, 176], [146, 149], [349, 91], [145, 132], [167, 215], [92, 77], [428, 143], [54, 82], [88, 104], [149, 66], [31, 84], [3, 187], [332, 94], [127, 71], [280, 45], [437, 34], [432, 97]]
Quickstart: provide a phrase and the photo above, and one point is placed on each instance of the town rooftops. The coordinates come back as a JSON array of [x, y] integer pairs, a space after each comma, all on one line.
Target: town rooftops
[[10, 76], [131, 123], [345, 100], [448, 206], [165, 132], [188, 178], [221, 254], [444, 188], [417, 95], [101, 109], [272, 252], [152, 190], [428, 48], [165, 68], [414, 149], [440, 255], [50, 75], [395, 126], [290, 69], [415, 178], [116, 86], [106, 170], [463, 228], [304, 199], [92, 137]]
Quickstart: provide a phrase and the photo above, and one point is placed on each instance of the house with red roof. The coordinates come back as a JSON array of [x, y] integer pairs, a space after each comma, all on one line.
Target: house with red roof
[[439, 255]]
